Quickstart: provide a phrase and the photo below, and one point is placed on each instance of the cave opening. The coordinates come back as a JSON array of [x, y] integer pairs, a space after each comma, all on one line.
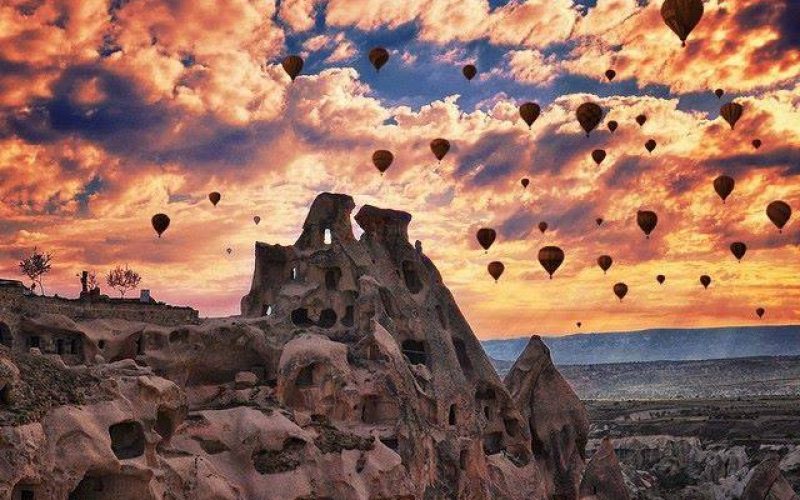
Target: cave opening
[[300, 317], [127, 439], [305, 377], [451, 417], [414, 350], [327, 318], [411, 278], [332, 277], [461, 355]]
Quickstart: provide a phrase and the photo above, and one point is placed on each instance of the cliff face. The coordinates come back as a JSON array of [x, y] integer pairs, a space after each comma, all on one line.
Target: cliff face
[[350, 374]]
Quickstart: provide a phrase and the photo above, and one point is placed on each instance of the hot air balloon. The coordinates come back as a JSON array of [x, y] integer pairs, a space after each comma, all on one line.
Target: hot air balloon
[[525, 181], [214, 197], [682, 16], [610, 74], [543, 226], [731, 112], [641, 120], [440, 147], [292, 65], [650, 145], [578, 324], [382, 159], [612, 126], [486, 237], [779, 213], [620, 290], [760, 312], [738, 250], [599, 221], [469, 71], [756, 143], [661, 279], [257, 219], [229, 250], [604, 261], [160, 223], [589, 115], [724, 185], [598, 155], [496, 270], [551, 258], [705, 280], [378, 57], [529, 112], [719, 93], [647, 221]]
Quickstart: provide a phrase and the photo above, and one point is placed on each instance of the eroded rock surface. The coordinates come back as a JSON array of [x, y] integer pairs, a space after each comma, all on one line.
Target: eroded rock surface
[[351, 373]]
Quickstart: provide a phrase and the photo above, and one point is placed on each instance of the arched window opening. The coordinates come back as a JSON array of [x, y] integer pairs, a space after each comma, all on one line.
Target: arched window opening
[[327, 237], [451, 418]]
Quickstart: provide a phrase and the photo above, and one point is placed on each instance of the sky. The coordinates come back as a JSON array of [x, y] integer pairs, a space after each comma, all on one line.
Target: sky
[[112, 111]]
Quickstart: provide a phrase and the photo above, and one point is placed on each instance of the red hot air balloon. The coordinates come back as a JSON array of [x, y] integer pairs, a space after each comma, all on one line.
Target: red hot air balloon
[[598, 155], [620, 290], [496, 270], [779, 213], [529, 112], [440, 147], [661, 279], [543, 226], [647, 220], [382, 159], [486, 237], [731, 112], [760, 312], [292, 65], [160, 223], [551, 259], [525, 181], [705, 280], [682, 16]]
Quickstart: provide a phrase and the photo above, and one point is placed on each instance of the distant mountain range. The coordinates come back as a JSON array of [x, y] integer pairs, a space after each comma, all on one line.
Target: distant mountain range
[[659, 345]]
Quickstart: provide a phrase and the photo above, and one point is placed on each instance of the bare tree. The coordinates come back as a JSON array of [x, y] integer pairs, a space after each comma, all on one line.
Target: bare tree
[[35, 267], [123, 279]]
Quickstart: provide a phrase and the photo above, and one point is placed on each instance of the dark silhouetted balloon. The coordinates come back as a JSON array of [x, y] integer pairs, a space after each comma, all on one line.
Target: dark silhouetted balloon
[[612, 126], [604, 261], [486, 237], [257, 219], [292, 65], [650, 145], [543, 226], [599, 221], [496, 270], [738, 249], [620, 290], [731, 112], [589, 115], [578, 324], [647, 221], [760, 312], [756, 143], [705, 280], [525, 181], [724, 185], [598, 155], [469, 71], [641, 120], [440, 147], [682, 16], [214, 198], [551, 258], [779, 213], [378, 57], [229, 250], [719, 93], [610, 74], [382, 159], [160, 223], [529, 112], [661, 279]]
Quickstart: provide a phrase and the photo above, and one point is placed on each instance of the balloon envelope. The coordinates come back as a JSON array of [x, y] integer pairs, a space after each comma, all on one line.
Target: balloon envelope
[[647, 220], [598, 155], [292, 65], [779, 213], [486, 237], [551, 258], [214, 198], [604, 261], [760, 312], [525, 181], [610, 74], [496, 270], [589, 115], [705, 280], [719, 93], [724, 185], [160, 223], [738, 249], [599, 221], [620, 290], [756, 143], [661, 279], [469, 71], [378, 57], [650, 145], [641, 120], [731, 112], [257, 219], [612, 125], [529, 112], [382, 159], [682, 16], [440, 147], [543, 226]]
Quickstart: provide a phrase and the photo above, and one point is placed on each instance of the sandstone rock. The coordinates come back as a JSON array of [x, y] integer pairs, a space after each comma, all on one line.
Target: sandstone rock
[[767, 483], [558, 423], [245, 379], [602, 478]]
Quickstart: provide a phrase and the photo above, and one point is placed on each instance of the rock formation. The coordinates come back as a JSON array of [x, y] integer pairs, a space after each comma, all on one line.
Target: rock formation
[[351, 373], [767, 483], [557, 421], [602, 479]]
